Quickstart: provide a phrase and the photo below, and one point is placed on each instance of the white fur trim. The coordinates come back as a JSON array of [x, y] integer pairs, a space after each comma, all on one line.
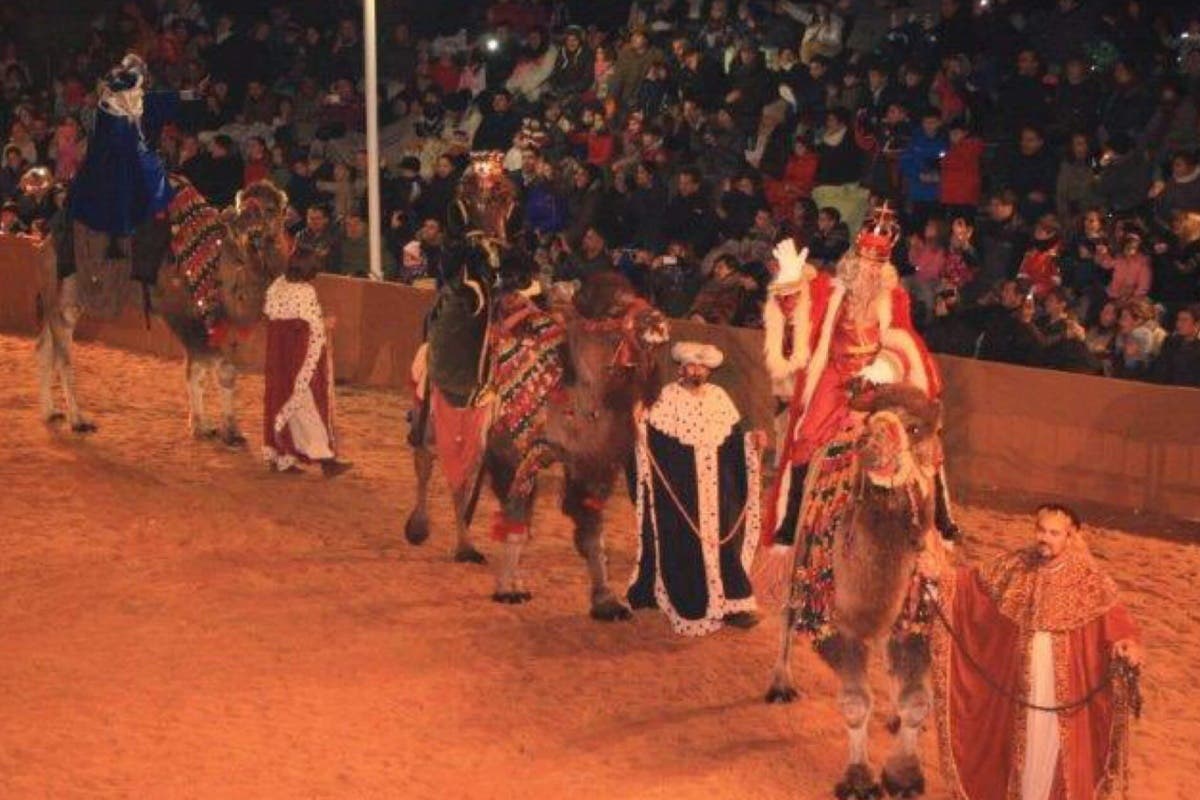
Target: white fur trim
[[709, 522], [779, 368], [293, 300]]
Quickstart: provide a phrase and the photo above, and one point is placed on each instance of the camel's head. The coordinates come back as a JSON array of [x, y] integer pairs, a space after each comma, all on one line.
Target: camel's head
[[611, 309], [255, 223], [900, 448], [254, 249]]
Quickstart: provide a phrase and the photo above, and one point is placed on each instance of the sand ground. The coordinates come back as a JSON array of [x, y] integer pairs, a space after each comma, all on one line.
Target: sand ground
[[178, 623]]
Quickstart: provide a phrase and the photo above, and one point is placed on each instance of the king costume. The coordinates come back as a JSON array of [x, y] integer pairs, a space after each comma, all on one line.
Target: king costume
[[1044, 633], [298, 418], [122, 191], [823, 333], [697, 479]]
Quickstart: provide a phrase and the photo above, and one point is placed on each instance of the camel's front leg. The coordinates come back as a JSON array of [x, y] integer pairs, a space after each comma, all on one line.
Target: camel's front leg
[[848, 658], [46, 366], [227, 374], [195, 369], [909, 662], [583, 503], [783, 688]]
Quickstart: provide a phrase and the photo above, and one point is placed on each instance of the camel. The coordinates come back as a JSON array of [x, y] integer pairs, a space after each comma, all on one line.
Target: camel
[[563, 392], [883, 476], [210, 290]]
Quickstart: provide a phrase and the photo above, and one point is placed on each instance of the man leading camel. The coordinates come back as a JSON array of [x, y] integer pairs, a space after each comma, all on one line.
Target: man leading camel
[[1036, 629]]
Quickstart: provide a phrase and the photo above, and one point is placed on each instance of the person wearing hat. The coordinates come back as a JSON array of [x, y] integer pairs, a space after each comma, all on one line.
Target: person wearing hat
[[10, 219], [121, 191], [697, 495]]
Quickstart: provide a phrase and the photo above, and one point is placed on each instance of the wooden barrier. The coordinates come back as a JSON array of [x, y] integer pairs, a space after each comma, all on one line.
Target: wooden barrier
[[1117, 443]]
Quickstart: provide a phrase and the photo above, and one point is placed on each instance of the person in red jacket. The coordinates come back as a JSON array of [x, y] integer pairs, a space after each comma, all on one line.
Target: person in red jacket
[[1039, 267], [962, 184], [798, 178]]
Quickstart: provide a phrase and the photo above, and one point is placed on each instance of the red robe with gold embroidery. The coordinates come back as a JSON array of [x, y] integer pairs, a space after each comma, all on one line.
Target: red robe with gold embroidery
[[994, 612]]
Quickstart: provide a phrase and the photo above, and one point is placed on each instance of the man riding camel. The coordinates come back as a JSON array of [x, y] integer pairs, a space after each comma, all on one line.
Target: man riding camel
[[119, 199], [827, 334]]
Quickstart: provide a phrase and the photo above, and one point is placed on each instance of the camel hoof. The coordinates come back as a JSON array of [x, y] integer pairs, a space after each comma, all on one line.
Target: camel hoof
[[84, 427], [893, 724], [467, 555], [416, 529], [858, 784], [511, 598], [611, 610], [234, 439], [56, 418], [903, 778], [780, 695], [206, 434]]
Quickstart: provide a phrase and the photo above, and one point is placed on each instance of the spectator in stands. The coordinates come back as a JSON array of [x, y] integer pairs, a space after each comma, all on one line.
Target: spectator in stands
[[723, 296], [578, 264], [1075, 188], [1134, 346], [1179, 362], [421, 258], [1039, 266], [1130, 268], [14, 167], [320, 236], [1063, 339], [221, 174], [1180, 192], [928, 255], [258, 161], [830, 241], [10, 219], [1008, 331], [689, 217], [921, 165], [961, 185], [1124, 181], [1102, 334], [1003, 239], [1030, 172]]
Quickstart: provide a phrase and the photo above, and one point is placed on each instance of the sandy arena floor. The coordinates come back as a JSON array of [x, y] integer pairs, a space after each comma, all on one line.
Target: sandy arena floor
[[178, 623]]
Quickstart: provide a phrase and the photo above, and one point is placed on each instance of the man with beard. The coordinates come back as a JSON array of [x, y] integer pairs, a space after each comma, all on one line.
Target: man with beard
[[1034, 670], [697, 501], [828, 334]]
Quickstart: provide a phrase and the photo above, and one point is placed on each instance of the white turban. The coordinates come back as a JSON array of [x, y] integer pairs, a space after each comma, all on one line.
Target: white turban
[[705, 355]]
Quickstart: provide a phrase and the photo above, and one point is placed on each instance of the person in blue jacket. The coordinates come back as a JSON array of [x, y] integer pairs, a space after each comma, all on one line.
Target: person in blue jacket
[[920, 165]]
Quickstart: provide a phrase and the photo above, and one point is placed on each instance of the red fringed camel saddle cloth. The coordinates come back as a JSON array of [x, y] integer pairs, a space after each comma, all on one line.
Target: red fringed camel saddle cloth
[[830, 491], [528, 371]]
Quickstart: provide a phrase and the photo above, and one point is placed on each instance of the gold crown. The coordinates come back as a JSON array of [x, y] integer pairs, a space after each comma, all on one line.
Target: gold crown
[[878, 234]]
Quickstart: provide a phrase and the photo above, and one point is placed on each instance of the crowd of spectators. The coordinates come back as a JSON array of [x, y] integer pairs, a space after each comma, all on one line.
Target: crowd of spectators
[[1043, 153]]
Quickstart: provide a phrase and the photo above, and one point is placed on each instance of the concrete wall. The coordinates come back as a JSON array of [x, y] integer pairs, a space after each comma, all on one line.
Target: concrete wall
[[1117, 443]]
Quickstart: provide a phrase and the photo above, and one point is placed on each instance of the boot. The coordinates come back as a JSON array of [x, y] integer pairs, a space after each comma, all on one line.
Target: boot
[[331, 467], [785, 530]]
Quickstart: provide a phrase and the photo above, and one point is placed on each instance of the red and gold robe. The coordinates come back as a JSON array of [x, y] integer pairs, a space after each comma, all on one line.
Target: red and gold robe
[[996, 613], [814, 348]]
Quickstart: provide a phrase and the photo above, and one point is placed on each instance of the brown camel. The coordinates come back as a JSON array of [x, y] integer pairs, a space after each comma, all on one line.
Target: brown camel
[[872, 541], [209, 291], [593, 367]]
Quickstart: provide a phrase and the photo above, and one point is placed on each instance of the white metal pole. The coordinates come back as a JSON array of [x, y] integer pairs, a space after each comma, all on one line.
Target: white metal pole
[[374, 212]]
